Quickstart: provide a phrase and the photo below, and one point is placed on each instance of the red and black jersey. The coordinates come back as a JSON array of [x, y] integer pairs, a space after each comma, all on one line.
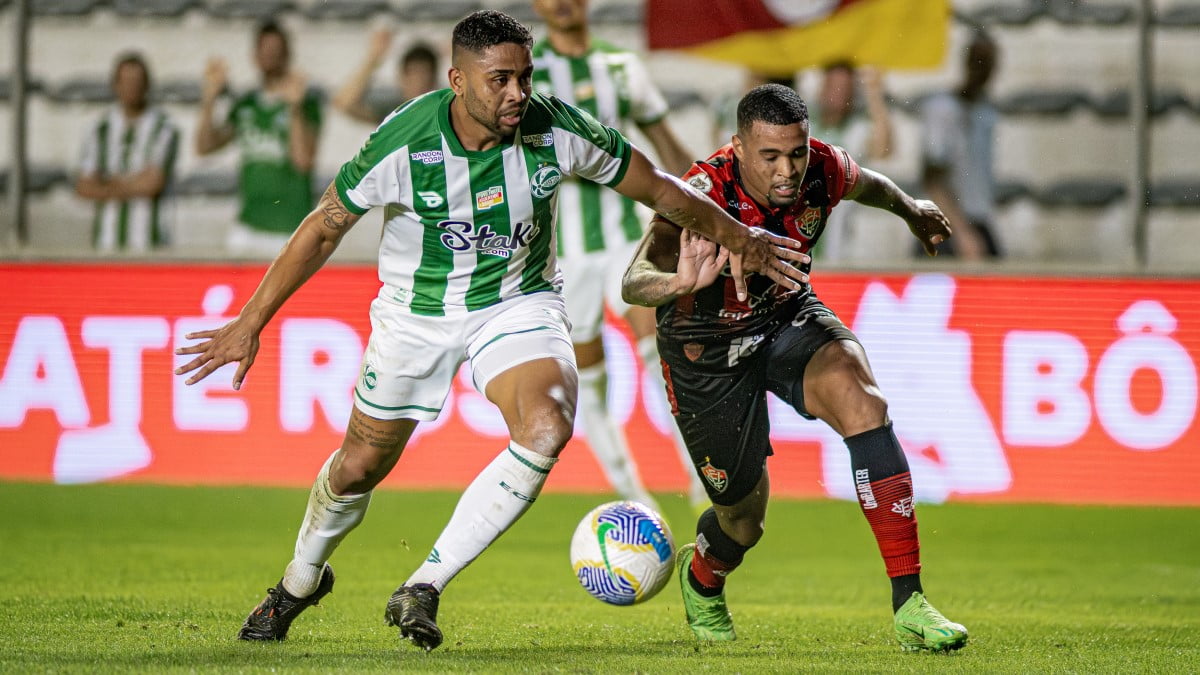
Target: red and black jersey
[[715, 312]]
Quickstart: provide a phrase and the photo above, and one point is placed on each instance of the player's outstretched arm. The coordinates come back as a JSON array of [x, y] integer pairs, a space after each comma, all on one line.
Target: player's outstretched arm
[[671, 262], [309, 247], [751, 250], [924, 218]]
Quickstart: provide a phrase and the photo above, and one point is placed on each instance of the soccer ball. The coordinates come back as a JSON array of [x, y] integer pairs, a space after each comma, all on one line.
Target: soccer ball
[[621, 553]]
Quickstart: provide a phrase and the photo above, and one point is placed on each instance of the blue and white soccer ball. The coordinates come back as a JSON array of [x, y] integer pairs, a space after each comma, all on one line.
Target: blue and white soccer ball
[[622, 553]]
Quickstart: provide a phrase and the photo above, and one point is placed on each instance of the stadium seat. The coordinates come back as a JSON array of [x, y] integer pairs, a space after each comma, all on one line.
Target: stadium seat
[[1117, 103], [1076, 11], [682, 98], [83, 90], [153, 8], [207, 184], [1042, 102], [1008, 13], [39, 179], [63, 7], [249, 9], [445, 10], [1082, 192], [1180, 16], [185, 92], [1008, 191], [32, 85], [624, 14], [1176, 192], [345, 10]]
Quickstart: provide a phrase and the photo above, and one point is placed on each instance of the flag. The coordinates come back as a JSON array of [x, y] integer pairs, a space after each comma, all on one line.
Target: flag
[[779, 37]]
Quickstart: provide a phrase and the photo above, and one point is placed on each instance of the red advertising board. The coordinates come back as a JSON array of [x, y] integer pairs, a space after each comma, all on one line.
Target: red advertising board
[[1001, 388]]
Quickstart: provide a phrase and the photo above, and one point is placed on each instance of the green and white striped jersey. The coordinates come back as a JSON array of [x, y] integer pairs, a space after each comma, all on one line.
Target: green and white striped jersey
[[613, 86], [463, 229], [117, 146]]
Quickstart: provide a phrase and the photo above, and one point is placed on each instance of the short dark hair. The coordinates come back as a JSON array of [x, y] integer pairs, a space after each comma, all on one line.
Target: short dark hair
[[488, 28], [131, 59], [272, 27], [773, 104], [419, 53]]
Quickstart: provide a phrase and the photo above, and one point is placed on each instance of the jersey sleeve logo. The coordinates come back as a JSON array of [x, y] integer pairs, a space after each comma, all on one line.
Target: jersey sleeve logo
[[544, 181], [701, 182]]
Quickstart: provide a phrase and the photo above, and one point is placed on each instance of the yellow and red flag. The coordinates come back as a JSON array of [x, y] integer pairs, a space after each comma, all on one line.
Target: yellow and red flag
[[779, 37]]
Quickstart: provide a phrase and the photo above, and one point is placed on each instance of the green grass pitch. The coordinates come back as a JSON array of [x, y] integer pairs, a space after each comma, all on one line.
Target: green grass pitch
[[129, 577]]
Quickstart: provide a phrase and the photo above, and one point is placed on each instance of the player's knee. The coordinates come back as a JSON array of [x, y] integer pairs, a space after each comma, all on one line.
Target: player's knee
[[547, 428], [357, 473]]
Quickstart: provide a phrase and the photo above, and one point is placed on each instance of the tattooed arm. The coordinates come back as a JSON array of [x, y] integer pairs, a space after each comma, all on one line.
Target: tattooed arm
[[309, 247]]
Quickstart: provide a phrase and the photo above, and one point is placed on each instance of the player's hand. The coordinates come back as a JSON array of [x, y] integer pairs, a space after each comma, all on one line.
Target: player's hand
[[771, 255], [293, 87], [700, 262], [216, 76], [380, 41], [235, 341], [929, 225]]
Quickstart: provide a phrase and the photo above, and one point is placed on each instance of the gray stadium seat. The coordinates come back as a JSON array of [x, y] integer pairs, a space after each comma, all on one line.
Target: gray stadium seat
[[248, 9], [185, 92], [63, 7], [444, 10], [345, 10], [1176, 192], [1102, 13], [1049, 102], [1008, 191], [1116, 104], [83, 90], [153, 8], [1180, 16], [624, 14], [1019, 13], [39, 179], [682, 98], [1086, 192], [32, 85], [221, 184]]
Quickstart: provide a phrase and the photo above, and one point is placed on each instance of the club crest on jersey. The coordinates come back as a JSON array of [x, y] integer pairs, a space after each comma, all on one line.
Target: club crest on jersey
[[486, 199], [461, 235], [715, 477], [809, 221], [538, 140], [544, 181], [701, 182]]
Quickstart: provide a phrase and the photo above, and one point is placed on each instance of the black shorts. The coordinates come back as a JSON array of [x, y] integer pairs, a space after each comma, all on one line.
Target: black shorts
[[718, 393]]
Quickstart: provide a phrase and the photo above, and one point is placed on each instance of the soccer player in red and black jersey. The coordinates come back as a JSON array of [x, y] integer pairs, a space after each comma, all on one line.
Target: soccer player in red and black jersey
[[722, 351]]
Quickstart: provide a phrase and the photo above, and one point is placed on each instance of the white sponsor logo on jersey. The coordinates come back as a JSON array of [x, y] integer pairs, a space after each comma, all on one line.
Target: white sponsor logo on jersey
[[538, 140], [431, 198], [427, 157]]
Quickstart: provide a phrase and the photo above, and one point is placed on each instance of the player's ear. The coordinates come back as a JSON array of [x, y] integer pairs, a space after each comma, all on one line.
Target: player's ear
[[738, 148], [457, 81]]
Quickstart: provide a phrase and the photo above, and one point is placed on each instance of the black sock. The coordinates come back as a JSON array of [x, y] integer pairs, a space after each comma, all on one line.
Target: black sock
[[903, 588]]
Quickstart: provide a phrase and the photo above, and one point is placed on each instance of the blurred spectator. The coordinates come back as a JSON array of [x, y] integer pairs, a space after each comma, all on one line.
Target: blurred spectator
[[416, 74], [725, 108], [128, 159], [838, 118], [959, 132], [276, 126], [598, 230]]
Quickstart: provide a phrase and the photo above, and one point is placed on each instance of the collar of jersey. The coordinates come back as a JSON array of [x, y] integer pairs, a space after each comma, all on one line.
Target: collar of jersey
[[455, 145]]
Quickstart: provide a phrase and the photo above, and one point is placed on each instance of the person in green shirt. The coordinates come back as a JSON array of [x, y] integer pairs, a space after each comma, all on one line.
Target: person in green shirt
[[468, 177], [276, 127]]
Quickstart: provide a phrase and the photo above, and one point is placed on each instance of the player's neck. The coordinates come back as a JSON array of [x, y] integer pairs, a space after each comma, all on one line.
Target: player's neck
[[570, 42], [132, 112], [471, 134]]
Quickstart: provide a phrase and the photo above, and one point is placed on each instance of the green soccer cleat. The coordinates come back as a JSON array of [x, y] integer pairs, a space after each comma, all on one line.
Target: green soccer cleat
[[709, 617], [920, 626]]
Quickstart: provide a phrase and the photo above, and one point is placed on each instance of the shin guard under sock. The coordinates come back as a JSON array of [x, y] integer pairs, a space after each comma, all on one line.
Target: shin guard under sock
[[716, 555], [885, 494]]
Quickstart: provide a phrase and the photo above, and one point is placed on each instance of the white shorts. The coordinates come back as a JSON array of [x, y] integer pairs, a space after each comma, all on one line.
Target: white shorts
[[411, 360], [590, 281]]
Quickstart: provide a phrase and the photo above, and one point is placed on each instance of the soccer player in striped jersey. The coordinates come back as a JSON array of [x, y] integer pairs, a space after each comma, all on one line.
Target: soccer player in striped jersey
[[725, 352], [128, 159], [598, 229], [467, 177]]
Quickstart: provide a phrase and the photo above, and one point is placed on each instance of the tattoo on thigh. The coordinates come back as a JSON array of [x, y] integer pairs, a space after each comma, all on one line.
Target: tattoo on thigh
[[362, 430]]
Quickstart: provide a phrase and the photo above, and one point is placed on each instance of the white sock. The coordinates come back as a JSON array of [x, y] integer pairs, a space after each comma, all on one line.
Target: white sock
[[648, 351], [327, 521], [498, 496], [606, 439]]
